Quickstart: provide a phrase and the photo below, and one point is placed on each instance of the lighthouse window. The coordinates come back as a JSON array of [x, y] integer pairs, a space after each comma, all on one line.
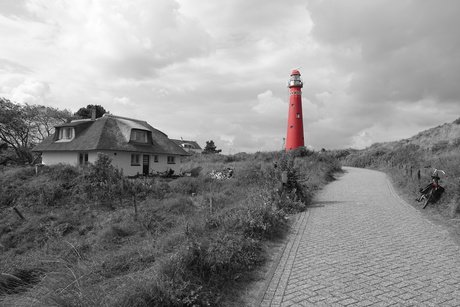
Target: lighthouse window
[[298, 115], [292, 127], [292, 105]]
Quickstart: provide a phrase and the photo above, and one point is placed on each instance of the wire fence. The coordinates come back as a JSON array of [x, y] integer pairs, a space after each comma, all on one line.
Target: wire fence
[[423, 174]]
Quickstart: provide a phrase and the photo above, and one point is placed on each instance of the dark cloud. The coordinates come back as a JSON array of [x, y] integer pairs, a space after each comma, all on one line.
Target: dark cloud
[[408, 49]]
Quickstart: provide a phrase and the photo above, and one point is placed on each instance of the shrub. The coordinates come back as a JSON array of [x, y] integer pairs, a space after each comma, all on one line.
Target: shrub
[[262, 220], [439, 146], [161, 216], [185, 185], [221, 257], [258, 216], [11, 184]]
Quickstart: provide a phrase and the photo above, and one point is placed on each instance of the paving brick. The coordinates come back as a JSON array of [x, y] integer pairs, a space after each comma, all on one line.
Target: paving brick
[[365, 247]]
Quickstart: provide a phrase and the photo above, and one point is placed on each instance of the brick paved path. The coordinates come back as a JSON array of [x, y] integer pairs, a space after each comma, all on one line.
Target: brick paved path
[[361, 245]]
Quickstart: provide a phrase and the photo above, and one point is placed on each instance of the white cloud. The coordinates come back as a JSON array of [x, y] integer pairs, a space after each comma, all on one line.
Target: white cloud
[[269, 105], [362, 139], [122, 100], [126, 39], [29, 91]]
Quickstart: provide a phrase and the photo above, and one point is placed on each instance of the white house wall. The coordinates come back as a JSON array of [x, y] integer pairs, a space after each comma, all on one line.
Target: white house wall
[[122, 160], [56, 157]]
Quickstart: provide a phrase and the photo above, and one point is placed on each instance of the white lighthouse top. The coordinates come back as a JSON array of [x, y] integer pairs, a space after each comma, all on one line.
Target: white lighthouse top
[[295, 79]]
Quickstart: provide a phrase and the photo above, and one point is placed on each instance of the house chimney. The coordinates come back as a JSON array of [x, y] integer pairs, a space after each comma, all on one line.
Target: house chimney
[[93, 114]]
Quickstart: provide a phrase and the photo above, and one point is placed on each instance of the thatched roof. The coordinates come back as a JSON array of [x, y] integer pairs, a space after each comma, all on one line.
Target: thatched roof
[[194, 144], [111, 133]]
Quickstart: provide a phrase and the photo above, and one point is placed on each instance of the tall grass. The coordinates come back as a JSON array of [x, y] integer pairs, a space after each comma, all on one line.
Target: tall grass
[[410, 167], [193, 241]]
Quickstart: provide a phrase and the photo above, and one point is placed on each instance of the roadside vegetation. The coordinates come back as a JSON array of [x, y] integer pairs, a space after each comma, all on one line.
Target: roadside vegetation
[[409, 165], [92, 237]]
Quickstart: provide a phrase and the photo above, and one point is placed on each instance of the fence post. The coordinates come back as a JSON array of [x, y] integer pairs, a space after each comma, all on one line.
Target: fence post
[[135, 207], [19, 213], [284, 177], [122, 183]]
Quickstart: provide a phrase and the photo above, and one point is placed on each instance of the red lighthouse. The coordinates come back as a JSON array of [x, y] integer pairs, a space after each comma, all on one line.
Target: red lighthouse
[[294, 137]]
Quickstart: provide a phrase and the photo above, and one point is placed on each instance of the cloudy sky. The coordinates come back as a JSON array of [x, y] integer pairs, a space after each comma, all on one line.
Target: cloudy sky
[[373, 71]]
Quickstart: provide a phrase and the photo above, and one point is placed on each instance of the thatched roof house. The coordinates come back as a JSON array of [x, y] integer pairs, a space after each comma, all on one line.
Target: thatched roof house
[[134, 145]]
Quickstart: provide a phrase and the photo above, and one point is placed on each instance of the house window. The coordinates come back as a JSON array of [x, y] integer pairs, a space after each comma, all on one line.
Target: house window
[[135, 159], [139, 136], [171, 160], [155, 158], [66, 133], [83, 158]]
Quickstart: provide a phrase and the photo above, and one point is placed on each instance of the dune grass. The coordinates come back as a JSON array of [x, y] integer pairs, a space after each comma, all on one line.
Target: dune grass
[[192, 241]]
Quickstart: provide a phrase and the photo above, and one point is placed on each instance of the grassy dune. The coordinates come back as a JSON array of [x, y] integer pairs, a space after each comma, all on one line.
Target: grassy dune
[[92, 237]]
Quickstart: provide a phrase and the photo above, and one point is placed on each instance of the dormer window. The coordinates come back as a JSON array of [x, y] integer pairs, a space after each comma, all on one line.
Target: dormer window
[[139, 136], [66, 134]]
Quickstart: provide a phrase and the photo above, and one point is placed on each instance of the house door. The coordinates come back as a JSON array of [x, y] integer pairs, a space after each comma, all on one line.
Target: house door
[[146, 164]]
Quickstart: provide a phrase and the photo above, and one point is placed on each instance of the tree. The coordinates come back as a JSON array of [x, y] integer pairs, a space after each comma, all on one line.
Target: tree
[[211, 148], [24, 126], [86, 112], [43, 120]]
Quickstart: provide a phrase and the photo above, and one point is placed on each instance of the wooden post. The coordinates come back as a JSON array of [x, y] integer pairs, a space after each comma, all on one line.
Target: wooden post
[[19, 213], [210, 204], [122, 183], [135, 207], [284, 177], [37, 166]]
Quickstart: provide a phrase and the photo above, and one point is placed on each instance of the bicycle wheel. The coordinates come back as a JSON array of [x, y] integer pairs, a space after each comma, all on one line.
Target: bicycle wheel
[[428, 197]]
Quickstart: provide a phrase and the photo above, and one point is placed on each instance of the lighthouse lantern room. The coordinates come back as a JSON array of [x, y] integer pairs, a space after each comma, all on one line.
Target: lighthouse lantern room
[[295, 137]]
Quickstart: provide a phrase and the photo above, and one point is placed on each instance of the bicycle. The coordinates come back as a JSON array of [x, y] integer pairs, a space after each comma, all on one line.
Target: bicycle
[[433, 190]]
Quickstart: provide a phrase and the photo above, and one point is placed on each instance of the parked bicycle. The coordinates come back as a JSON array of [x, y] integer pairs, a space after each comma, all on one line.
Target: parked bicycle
[[433, 190]]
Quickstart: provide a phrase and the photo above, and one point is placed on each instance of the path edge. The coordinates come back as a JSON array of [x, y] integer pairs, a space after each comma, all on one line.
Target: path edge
[[269, 276]]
